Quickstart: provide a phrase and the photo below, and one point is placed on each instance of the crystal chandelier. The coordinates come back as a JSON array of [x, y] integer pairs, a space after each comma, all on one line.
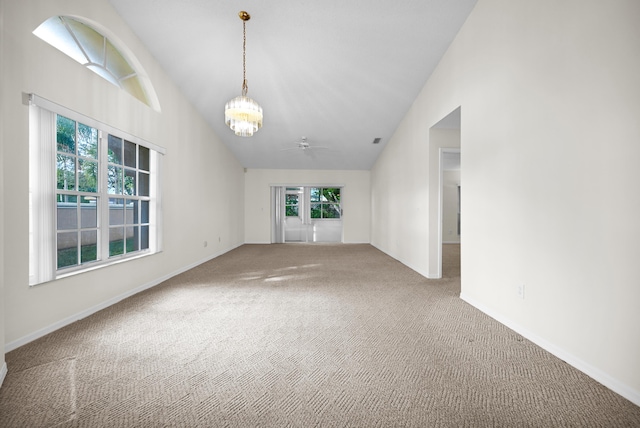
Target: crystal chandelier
[[242, 114]]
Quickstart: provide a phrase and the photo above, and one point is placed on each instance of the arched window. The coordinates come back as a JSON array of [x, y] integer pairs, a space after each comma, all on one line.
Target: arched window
[[90, 44]]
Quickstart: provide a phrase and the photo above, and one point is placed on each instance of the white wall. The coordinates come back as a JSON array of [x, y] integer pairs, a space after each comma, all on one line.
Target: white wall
[[3, 366], [550, 97], [450, 183], [355, 198], [203, 183]]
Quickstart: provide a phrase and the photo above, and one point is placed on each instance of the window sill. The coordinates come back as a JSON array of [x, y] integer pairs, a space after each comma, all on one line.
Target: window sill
[[93, 267]]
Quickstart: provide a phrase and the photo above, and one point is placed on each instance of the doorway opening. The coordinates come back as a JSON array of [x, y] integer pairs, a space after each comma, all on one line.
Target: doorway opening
[[306, 214], [445, 195]]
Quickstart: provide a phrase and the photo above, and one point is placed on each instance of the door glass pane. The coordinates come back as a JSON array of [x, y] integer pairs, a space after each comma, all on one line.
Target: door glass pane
[[116, 211], [67, 212], [89, 247], [129, 154], [87, 141], [67, 247], [88, 212], [66, 175], [315, 194], [116, 241], [87, 176], [115, 150], [316, 211], [65, 135]]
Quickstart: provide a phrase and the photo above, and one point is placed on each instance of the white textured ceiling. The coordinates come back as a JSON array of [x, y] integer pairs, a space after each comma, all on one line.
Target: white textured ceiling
[[340, 73]]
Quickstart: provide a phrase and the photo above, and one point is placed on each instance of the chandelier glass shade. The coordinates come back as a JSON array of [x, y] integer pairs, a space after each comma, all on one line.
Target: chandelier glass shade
[[242, 114]]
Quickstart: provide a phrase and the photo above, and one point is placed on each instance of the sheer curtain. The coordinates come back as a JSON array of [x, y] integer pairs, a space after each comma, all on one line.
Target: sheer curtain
[[277, 214], [42, 175]]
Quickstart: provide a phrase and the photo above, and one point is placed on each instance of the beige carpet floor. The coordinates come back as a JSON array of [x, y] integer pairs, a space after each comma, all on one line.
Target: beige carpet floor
[[298, 335]]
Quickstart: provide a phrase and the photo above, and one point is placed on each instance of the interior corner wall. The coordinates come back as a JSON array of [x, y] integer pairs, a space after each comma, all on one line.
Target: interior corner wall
[[202, 182], [550, 97], [3, 366], [355, 198]]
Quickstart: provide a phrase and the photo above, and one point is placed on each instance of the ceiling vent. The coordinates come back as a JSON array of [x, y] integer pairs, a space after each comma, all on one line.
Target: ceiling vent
[[377, 140]]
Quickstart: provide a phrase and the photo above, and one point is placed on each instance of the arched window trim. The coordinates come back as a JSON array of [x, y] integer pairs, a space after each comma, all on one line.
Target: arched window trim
[[149, 94]]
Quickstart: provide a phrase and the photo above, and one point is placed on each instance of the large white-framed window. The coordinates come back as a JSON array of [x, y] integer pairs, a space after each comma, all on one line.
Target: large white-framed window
[[325, 203], [94, 193]]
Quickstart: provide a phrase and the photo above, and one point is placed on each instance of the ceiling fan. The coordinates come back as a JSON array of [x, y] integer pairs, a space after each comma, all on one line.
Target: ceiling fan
[[303, 145]]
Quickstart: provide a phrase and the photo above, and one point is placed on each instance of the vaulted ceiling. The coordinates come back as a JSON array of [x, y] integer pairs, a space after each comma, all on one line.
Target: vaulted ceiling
[[339, 73]]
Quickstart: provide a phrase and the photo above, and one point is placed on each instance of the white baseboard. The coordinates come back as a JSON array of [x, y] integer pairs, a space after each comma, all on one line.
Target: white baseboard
[[595, 373], [92, 310], [3, 373]]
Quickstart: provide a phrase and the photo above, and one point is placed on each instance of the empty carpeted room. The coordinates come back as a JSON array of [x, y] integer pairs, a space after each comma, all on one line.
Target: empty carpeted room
[[350, 214]]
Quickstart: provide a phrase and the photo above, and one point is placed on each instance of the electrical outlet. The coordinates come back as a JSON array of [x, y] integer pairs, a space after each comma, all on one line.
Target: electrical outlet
[[206, 243], [520, 291]]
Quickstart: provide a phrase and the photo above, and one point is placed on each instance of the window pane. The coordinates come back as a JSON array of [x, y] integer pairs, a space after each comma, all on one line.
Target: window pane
[[87, 141], [67, 212], [132, 239], [136, 239], [144, 211], [143, 159], [92, 42], [143, 184], [330, 211], [331, 194], [116, 241], [114, 180], [89, 246], [116, 211], [65, 135], [292, 199], [132, 212], [67, 249], [66, 166], [315, 194], [144, 237], [129, 181], [88, 212], [129, 211], [115, 150], [129, 154], [87, 176], [292, 211], [315, 211]]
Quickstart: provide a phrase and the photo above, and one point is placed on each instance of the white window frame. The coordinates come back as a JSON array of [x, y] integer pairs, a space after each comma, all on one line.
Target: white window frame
[[310, 202], [42, 193]]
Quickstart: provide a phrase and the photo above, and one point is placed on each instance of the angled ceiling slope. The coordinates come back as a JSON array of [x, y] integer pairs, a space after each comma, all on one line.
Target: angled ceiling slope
[[340, 73]]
